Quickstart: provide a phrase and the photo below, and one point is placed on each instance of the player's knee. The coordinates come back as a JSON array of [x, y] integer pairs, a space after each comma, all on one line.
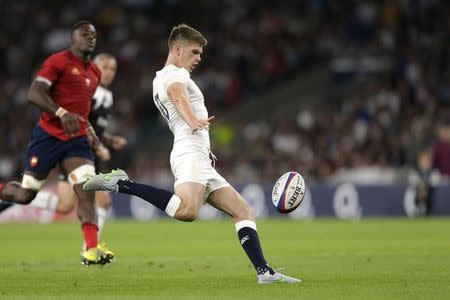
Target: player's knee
[[190, 216], [187, 216], [187, 213], [81, 174], [27, 190]]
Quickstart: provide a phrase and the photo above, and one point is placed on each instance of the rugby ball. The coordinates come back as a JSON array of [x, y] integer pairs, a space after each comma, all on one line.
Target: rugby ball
[[288, 192]]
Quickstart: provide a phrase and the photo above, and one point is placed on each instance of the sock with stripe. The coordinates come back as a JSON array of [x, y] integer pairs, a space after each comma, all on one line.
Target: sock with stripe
[[248, 237], [162, 199]]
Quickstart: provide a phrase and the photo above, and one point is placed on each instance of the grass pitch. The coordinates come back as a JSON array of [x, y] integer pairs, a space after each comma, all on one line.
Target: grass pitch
[[369, 259]]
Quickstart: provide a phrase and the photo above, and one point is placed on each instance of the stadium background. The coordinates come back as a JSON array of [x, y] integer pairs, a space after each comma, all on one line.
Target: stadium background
[[345, 92], [352, 94]]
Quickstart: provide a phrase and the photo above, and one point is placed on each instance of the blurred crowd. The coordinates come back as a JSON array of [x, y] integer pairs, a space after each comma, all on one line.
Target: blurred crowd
[[398, 48]]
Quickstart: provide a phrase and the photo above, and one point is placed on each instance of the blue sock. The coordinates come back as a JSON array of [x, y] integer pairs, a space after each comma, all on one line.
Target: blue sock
[[250, 242], [158, 197]]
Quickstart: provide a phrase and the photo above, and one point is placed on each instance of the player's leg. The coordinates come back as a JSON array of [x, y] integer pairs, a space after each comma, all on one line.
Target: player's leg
[[42, 155], [23, 193], [47, 199], [67, 197], [228, 200], [4, 205], [102, 198], [79, 169], [192, 197], [103, 205], [183, 205]]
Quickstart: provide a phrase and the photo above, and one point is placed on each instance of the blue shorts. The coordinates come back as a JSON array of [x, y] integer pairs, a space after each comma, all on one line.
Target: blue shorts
[[45, 151]]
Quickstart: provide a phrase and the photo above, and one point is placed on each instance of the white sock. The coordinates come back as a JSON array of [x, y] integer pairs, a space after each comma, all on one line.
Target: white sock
[[46, 200], [173, 205], [245, 223], [102, 215]]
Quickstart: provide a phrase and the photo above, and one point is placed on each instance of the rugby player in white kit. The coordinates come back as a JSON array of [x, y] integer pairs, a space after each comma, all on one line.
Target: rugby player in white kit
[[181, 103]]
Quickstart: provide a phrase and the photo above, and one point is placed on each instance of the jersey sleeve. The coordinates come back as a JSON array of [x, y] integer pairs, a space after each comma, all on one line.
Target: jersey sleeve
[[179, 75], [50, 69]]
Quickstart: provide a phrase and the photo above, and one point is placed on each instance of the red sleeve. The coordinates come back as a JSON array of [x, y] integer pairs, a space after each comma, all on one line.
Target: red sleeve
[[51, 69]]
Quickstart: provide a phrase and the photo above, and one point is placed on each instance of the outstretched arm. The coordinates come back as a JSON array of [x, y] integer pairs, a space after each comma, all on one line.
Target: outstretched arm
[[179, 96]]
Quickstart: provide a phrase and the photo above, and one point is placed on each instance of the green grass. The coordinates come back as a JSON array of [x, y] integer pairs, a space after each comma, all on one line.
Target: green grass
[[370, 259]]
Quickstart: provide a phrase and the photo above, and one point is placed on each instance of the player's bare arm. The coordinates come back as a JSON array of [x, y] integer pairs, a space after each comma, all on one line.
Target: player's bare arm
[[179, 96], [38, 95], [98, 147]]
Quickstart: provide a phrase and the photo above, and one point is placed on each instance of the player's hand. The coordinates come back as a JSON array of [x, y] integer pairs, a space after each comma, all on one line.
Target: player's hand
[[118, 142], [200, 124], [70, 123], [93, 139], [100, 150]]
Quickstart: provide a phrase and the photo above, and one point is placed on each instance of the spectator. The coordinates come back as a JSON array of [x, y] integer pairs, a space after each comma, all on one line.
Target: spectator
[[441, 149]]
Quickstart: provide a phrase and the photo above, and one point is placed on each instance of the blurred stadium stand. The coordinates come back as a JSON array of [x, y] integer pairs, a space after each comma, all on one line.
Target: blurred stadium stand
[[337, 90]]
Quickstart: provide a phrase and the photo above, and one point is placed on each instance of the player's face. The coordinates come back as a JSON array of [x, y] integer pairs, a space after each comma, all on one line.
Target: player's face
[[108, 66], [84, 39], [190, 56]]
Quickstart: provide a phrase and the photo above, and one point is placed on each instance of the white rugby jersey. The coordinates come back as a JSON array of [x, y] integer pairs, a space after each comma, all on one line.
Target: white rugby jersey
[[182, 132]]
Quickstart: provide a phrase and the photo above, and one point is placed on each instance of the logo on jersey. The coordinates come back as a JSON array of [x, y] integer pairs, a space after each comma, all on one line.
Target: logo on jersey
[[75, 71], [87, 81], [34, 161]]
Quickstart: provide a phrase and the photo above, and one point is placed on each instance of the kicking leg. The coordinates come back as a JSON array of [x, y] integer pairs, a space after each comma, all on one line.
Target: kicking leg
[[183, 205]]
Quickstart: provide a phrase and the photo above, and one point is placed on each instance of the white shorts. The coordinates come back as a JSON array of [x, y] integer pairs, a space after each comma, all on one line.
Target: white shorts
[[196, 167]]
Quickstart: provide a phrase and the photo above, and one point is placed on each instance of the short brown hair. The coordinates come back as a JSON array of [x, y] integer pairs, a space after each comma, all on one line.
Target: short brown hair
[[186, 32]]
